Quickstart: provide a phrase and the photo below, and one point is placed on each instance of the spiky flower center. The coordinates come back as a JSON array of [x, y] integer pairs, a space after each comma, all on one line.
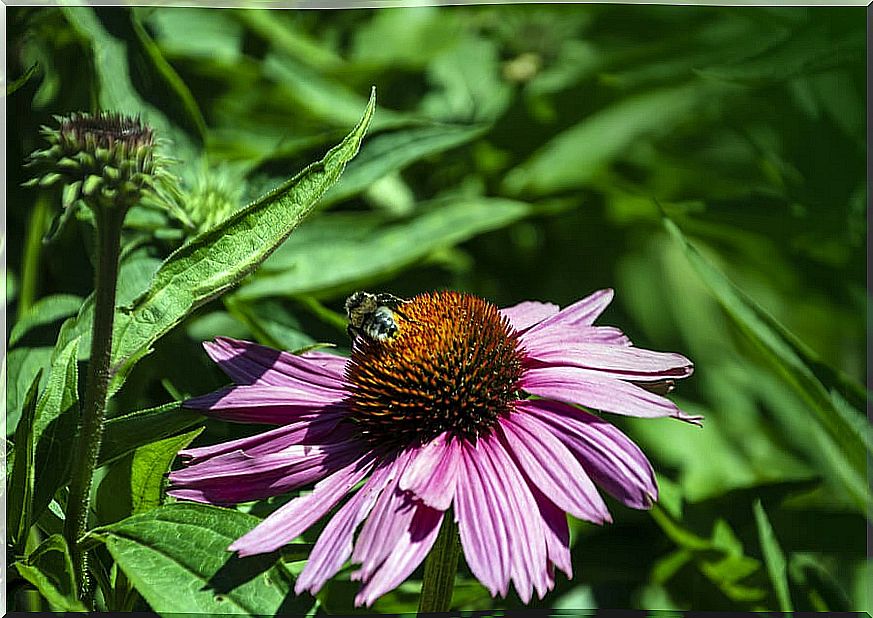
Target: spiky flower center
[[106, 159], [454, 365]]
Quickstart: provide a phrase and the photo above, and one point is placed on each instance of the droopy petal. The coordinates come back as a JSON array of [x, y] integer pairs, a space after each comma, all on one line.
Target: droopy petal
[[518, 516], [334, 545], [306, 429], [557, 532], [611, 458], [580, 313], [260, 403], [433, 472], [292, 519], [413, 545], [239, 476], [391, 515], [553, 469], [627, 363], [483, 538], [594, 390], [248, 363], [529, 312]]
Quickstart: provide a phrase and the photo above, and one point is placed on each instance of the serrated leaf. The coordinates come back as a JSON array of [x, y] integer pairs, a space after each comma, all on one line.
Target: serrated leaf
[[344, 257], [844, 426], [19, 497], [773, 558], [393, 151], [54, 427], [215, 261], [50, 570], [176, 557], [45, 311]]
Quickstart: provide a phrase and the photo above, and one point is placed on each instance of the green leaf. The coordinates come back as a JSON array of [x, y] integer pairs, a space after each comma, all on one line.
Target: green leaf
[[393, 151], [843, 425], [575, 156], [335, 252], [19, 498], [54, 427], [50, 570], [215, 261], [124, 434], [773, 558], [22, 365], [176, 557], [134, 484], [45, 311]]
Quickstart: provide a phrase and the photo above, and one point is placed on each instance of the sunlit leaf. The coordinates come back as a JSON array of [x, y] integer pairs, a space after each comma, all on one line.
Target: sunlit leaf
[[176, 557], [217, 260]]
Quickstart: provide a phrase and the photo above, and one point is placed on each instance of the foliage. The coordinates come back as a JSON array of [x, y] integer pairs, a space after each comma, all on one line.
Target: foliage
[[706, 162]]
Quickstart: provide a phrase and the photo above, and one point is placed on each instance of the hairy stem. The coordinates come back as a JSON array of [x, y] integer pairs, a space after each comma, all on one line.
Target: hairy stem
[[440, 569], [90, 433]]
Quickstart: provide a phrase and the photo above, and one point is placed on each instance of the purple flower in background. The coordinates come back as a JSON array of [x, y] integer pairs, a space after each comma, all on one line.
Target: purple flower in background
[[469, 408]]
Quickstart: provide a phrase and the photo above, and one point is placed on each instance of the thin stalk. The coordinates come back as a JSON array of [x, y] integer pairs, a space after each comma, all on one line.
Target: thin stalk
[[440, 569], [30, 259], [90, 434]]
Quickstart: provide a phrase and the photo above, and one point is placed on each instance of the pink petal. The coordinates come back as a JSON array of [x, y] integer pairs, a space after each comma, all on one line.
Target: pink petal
[[518, 513], [249, 363], [306, 429], [557, 532], [483, 538], [553, 469], [623, 362], [529, 312], [292, 519], [554, 337], [433, 472], [334, 545], [391, 515], [611, 458], [258, 403], [580, 313], [411, 548], [593, 389], [239, 476]]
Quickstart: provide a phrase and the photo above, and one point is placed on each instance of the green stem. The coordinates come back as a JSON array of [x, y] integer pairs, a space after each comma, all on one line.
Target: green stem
[[440, 569], [90, 434]]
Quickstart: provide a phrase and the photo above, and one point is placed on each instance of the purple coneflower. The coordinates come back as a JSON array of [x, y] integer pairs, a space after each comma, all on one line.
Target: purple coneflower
[[469, 408]]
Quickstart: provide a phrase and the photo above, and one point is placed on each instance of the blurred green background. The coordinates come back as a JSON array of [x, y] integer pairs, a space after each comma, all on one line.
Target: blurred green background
[[520, 152]]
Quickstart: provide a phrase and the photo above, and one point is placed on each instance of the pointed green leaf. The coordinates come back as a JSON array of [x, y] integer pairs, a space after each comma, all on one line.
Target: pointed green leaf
[[393, 151], [215, 261], [843, 425], [50, 570], [124, 434], [176, 557], [19, 498], [344, 250], [134, 485], [45, 311], [773, 558], [54, 427]]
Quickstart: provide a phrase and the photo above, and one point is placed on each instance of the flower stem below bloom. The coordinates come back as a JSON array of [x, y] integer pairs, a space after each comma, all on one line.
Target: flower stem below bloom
[[440, 569], [90, 433]]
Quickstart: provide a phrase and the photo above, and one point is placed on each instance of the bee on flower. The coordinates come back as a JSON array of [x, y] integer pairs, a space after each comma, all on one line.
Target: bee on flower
[[466, 413]]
